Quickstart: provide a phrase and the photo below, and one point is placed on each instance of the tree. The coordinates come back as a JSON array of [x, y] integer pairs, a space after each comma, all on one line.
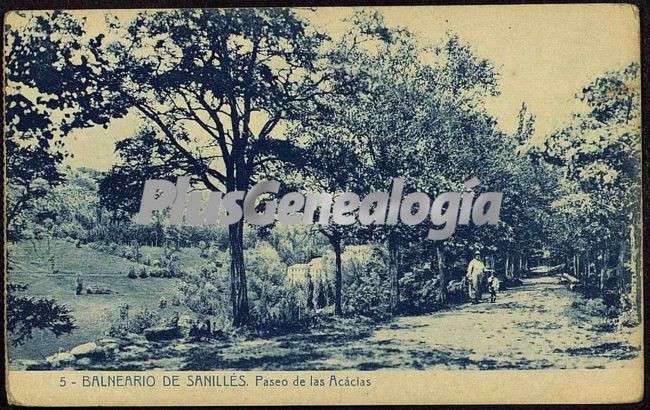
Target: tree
[[26, 314], [333, 166], [215, 89], [402, 117], [599, 155], [51, 89], [33, 153]]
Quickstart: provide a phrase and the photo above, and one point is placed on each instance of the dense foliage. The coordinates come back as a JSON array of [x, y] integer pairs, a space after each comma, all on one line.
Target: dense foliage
[[27, 314]]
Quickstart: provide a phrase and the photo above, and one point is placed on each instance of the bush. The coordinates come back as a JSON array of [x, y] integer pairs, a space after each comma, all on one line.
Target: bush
[[420, 292], [121, 323], [131, 252], [206, 293], [144, 319], [132, 274], [143, 273], [157, 272], [27, 314], [366, 290], [368, 295], [170, 262], [272, 302], [288, 309], [112, 248]]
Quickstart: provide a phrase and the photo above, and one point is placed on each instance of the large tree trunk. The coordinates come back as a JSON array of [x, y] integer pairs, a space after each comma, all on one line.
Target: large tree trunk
[[635, 280], [393, 271], [601, 276], [338, 279], [238, 288], [441, 273]]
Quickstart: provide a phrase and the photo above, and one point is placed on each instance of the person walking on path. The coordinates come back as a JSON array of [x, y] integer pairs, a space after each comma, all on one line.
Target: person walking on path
[[493, 286], [475, 271]]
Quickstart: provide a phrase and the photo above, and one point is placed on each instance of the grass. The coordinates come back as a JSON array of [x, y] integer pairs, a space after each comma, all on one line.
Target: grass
[[33, 257], [97, 269], [187, 256]]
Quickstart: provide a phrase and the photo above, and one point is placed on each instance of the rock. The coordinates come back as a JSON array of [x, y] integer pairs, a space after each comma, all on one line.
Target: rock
[[88, 350], [84, 361], [107, 340], [60, 359], [181, 347], [133, 352], [136, 349], [109, 349], [135, 339], [84, 349], [162, 333], [111, 346]]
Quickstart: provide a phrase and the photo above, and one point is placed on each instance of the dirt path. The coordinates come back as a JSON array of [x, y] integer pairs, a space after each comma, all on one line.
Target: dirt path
[[537, 325], [534, 326]]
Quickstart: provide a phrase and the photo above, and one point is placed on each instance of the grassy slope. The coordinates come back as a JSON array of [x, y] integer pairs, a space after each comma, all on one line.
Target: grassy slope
[[28, 257], [187, 256], [97, 270]]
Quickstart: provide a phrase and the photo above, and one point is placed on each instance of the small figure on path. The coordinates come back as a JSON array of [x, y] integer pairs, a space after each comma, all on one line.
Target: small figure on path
[[493, 287], [475, 271]]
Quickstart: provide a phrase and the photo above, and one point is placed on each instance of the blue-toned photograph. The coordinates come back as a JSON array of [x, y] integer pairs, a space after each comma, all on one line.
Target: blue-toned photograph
[[393, 188]]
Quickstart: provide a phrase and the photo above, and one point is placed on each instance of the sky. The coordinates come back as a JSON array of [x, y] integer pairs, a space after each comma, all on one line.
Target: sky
[[545, 54]]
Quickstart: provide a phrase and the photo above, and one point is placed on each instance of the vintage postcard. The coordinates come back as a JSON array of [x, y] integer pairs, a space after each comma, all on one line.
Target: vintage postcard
[[352, 205]]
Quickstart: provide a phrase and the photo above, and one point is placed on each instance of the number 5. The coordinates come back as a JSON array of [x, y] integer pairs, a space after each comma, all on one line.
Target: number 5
[[62, 382]]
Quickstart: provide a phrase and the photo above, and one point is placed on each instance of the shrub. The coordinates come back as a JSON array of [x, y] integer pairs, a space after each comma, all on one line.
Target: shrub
[[365, 286], [132, 274], [206, 293], [420, 292], [367, 295], [121, 323], [143, 273], [157, 272], [112, 248], [267, 290], [26, 314], [132, 251], [204, 248], [287, 311], [142, 320], [124, 311], [170, 261]]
